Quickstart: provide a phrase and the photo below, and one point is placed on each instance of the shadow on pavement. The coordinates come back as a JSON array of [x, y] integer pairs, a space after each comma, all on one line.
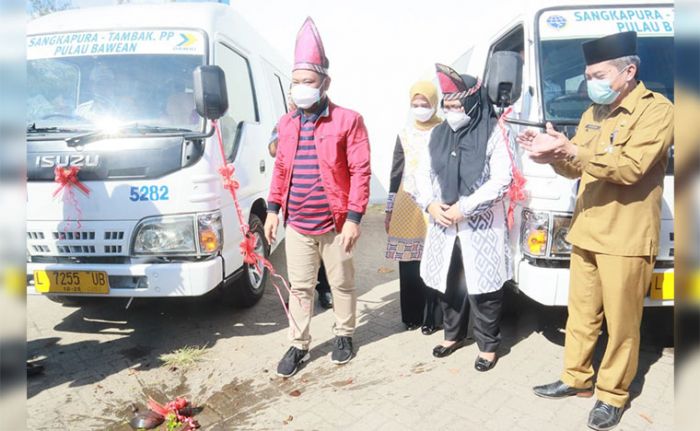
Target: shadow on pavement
[[524, 316], [149, 328]]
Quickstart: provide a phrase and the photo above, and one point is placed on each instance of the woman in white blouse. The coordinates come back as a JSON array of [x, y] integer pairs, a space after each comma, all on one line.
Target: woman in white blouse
[[461, 182]]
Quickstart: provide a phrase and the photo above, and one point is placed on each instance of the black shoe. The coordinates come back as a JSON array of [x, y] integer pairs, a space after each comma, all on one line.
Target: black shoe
[[559, 389], [342, 352], [411, 326], [291, 361], [484, 365], [604, 416], [429, 330], [441, 351], [325, 299]]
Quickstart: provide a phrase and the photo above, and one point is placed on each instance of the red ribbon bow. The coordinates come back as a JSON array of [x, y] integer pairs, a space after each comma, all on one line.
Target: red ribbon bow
[[248, 250], [227, 172], [68, 177]]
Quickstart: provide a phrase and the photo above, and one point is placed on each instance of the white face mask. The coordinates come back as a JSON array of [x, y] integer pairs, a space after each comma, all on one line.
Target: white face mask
[[457, 120], [422, 114], [305, 96]]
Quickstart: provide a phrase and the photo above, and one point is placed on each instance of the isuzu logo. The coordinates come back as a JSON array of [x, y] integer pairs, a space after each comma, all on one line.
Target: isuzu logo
[[51, 161]]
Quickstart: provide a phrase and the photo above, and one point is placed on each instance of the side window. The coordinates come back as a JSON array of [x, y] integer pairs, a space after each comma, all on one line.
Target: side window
[[513, 41], [283, 93], [278, 96], [241, 94]]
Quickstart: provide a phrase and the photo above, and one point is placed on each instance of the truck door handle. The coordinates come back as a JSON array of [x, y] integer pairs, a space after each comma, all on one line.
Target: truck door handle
[[262, 166]]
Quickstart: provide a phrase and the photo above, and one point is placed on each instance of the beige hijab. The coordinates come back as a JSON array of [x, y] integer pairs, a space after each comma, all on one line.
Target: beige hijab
[[428, 90]]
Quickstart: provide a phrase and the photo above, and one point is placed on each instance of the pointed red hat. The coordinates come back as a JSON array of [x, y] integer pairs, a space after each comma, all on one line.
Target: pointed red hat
[[451, 83], [308, 52]]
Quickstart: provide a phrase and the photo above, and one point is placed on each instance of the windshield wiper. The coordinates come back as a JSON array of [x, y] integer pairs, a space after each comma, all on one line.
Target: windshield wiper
[[96, 135], [33, 129]]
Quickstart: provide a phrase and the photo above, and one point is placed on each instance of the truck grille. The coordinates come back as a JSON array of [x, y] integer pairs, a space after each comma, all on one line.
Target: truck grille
[[112, 249], [73, 236], [76, 249], [93, 239]]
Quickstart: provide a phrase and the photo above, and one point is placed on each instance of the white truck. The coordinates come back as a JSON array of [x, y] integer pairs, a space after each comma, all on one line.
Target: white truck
[[111, 92], [547, 35]]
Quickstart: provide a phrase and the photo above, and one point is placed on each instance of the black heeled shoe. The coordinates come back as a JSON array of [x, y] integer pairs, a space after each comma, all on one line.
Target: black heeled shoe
[[441, 351], [484, 365], [429, 330]]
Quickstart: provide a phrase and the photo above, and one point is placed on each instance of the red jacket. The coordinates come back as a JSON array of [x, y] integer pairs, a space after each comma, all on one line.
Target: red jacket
[[343, 154]]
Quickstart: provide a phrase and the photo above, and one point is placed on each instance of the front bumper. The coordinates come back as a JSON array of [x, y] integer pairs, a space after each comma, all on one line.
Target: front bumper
[[550, 286], [145, 280]]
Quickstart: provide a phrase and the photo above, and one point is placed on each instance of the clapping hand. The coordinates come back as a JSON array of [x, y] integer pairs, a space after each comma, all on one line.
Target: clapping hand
[[546, 147]]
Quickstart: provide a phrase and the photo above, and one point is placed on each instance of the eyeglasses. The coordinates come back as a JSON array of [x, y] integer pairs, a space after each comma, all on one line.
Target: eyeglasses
[[447, 109]]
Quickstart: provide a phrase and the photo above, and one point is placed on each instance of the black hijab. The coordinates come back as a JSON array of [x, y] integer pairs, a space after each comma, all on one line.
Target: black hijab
[[458, 158]]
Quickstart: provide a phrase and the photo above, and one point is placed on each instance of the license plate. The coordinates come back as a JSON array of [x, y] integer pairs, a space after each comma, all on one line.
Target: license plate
[[662, 286], [71, 282]]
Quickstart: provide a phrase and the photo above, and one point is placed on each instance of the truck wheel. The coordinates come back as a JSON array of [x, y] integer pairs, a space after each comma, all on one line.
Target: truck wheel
[[248, 287]]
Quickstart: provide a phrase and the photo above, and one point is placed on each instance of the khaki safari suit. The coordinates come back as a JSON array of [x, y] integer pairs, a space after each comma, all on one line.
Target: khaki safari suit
[[621, 160]]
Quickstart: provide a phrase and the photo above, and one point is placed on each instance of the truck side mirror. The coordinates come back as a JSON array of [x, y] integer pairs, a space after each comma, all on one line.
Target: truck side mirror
[[210, 95], [504, 77]]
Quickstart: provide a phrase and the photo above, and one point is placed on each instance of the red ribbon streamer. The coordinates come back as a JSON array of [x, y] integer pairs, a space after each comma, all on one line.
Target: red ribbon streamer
[[516, 191], [67, 178], [247, 246]]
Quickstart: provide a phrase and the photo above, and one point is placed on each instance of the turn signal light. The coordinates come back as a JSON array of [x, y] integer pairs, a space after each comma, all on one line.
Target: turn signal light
[[537, 242]]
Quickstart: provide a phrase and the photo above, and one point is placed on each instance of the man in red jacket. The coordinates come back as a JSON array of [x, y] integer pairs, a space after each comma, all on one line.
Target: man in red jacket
[[321, 181]]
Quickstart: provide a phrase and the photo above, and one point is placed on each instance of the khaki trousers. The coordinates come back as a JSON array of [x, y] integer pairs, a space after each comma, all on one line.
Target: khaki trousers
[[613, 287], [304, 254]]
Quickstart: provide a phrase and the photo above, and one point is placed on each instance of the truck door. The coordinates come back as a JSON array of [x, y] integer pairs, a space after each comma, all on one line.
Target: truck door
[[245, 141]]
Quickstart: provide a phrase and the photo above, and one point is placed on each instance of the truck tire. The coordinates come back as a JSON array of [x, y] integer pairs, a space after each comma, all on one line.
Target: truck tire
[[246, 289]]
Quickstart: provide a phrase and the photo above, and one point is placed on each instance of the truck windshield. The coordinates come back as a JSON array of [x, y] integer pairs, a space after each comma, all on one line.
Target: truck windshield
[[560, 34], [563, 82], [95, 80]]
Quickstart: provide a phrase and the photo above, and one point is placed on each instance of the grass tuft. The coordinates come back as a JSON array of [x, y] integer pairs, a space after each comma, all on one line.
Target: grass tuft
[[183, 357]]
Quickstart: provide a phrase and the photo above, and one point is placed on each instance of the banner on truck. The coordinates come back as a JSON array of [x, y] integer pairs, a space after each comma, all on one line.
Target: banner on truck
[[585, 23], [160, 41]]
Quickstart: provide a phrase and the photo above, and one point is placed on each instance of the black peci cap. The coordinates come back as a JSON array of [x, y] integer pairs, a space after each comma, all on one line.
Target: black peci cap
[[610, 47]]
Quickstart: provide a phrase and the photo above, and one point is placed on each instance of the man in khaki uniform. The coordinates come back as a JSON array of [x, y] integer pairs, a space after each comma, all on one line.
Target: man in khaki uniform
[[620, 152]]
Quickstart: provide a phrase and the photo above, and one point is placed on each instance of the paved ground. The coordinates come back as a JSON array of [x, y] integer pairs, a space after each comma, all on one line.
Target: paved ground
[[102, 359]]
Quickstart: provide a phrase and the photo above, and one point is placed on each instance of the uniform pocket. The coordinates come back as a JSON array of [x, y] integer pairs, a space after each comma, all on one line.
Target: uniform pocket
[[614, 145], [331, 151]]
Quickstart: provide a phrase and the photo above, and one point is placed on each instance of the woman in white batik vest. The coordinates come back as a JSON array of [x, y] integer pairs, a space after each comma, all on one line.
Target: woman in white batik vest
[[406, 223], [461, 182]]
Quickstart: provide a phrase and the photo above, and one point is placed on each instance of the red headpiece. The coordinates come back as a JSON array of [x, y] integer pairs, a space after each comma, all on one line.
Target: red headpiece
[[308, 52]]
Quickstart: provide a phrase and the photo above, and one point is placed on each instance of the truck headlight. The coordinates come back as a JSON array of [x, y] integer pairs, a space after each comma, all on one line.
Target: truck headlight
[[560, 247], [165, 235], [535, 228], [210, 231]]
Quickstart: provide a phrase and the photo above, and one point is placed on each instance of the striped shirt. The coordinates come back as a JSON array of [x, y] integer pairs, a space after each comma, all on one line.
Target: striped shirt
[[308, 208]]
